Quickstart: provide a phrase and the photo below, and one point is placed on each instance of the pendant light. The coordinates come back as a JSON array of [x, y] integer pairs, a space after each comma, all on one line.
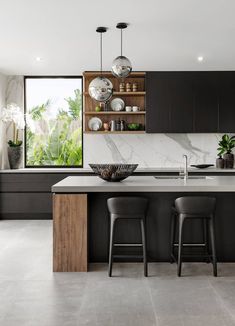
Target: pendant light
[[101, 88], [121, 66]]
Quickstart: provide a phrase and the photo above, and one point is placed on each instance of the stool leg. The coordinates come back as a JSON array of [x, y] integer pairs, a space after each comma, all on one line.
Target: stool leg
[[142, 223], [205, 238], [111, 241], [212, 235], [172, 237], [181, 225]]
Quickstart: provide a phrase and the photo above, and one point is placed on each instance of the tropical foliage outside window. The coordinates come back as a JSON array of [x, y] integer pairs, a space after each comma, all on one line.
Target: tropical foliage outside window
[[53, 133]]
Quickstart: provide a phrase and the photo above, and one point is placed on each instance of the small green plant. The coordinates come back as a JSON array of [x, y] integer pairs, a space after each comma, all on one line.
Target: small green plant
[[226, 144], [15, 144]]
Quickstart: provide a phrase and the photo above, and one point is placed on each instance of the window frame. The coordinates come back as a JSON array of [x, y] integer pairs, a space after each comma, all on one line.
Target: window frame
[[25, 129]]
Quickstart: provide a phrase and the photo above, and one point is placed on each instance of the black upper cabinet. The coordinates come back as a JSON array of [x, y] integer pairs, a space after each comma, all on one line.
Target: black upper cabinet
[[157, 102], [190, 102], [181, 102], [169, 102], [206, 106], [227, 101]]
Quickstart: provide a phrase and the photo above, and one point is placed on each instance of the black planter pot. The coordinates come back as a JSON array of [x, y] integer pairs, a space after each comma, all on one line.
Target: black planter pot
[[220, 163], [15, 156], [228, 161]]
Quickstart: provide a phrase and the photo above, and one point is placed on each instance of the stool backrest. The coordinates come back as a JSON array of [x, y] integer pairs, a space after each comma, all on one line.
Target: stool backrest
[[198, 205], [127, 205]]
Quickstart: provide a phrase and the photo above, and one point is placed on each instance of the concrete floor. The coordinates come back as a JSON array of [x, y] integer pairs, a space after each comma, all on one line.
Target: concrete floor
[[30, 294]]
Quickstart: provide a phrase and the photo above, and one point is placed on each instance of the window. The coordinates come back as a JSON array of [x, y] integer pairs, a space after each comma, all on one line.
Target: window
[[53, 134]]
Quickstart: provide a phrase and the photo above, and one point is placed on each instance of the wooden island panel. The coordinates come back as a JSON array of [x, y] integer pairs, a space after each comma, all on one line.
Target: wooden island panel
[[70, 233]]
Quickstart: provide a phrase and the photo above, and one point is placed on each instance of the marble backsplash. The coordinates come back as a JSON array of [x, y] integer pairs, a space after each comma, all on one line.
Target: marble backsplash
[[151, 150], [148, 150]]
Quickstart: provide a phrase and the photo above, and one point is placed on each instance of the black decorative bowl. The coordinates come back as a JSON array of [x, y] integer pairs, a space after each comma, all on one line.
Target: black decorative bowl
[[113, 172]]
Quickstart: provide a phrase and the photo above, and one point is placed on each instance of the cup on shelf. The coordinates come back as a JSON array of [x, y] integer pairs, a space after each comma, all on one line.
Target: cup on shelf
[[135, 108], [128, 108]]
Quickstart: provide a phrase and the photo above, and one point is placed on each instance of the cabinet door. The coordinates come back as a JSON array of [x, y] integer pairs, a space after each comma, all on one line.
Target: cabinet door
[[157, 102], [227, 102], [206, 105], [181, 97]]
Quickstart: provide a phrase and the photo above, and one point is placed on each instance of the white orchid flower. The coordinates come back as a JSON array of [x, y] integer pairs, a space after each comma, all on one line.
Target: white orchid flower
[[13, 113]]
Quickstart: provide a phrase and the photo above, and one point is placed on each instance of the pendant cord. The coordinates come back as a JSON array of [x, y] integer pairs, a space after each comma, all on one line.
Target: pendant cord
[[121, 41], [101, 54]]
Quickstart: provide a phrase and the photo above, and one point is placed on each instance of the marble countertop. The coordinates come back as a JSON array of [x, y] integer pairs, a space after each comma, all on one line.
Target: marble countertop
[[140, 170], [87, 184]]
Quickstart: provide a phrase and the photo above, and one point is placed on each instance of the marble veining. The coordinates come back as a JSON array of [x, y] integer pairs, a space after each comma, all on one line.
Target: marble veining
[[148, 150]]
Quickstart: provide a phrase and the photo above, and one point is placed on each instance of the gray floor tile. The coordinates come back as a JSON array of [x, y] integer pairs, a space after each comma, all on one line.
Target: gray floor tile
[[31, 295]]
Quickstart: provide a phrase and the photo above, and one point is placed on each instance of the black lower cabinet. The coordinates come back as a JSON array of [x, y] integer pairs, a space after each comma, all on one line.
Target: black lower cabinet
[[28, 195]]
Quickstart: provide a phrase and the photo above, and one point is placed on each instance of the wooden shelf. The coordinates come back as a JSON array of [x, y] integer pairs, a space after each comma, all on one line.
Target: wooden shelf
[[108, 73], [113, 113], [142, 93], [115, 132], [130, 99]]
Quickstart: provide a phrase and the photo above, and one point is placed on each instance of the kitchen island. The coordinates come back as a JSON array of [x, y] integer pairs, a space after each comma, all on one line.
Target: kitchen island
[[81, 221]]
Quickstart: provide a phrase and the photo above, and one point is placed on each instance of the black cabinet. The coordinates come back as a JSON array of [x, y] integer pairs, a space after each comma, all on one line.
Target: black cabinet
[[169, 102], [192, 102], [158, 102], [206, 106], [181, 102], [227, 102]]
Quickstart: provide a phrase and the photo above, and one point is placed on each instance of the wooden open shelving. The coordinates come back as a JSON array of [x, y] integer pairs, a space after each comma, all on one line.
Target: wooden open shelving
[[114, 132], [113, 113], [129, 98], [123, 93]]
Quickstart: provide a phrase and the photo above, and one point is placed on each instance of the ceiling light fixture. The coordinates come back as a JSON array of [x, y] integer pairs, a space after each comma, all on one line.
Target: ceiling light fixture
[[121, 66], [38, 59], [101, 88], [200, 58]]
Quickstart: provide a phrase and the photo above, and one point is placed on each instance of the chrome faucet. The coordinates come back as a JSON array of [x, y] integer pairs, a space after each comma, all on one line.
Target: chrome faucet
[[185, 174]]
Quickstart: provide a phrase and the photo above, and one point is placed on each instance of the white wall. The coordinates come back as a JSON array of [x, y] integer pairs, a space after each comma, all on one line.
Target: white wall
[[148, 150], [3, 153]]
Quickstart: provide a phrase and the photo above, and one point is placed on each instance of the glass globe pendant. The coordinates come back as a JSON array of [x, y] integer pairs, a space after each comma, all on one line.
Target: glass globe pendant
[[121, 66], [101, 88]]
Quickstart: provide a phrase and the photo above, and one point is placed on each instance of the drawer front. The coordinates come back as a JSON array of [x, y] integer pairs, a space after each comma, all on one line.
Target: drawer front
[[25, 203], [22, 182]]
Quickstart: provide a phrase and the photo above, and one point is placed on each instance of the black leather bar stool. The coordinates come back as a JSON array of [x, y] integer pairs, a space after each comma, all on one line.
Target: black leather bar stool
[[127, 208], [194, 208]]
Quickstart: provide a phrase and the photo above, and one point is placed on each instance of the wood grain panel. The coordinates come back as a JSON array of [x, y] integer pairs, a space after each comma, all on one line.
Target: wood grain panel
[[70, 233]]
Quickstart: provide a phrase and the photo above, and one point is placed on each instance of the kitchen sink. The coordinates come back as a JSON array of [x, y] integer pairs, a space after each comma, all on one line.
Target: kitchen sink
[[169, 177]]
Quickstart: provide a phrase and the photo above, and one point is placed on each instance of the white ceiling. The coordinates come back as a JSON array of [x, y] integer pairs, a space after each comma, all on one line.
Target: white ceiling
[[163, 35]]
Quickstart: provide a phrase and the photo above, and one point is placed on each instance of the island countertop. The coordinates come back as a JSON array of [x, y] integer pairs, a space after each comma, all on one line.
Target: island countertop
[[86, 184]]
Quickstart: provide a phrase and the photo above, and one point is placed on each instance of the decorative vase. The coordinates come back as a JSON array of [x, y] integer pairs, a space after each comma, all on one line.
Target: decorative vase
[[15, 156], [220, 163], [228, 161]]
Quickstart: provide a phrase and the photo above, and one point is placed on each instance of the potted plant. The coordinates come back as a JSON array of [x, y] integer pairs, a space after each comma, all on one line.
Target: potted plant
[[13, 115], [226, 144], [219, 162]]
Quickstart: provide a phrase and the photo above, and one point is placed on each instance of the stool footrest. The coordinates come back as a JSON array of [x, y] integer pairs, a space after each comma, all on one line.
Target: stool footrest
[[127, 256], [191, 245], [128, 244]]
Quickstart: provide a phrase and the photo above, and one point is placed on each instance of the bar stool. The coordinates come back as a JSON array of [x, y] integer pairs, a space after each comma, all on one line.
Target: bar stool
[[130, 208], [194, 208]]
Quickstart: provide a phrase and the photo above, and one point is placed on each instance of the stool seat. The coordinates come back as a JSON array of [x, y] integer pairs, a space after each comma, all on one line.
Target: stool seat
[[194, 207], [129, 208]]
